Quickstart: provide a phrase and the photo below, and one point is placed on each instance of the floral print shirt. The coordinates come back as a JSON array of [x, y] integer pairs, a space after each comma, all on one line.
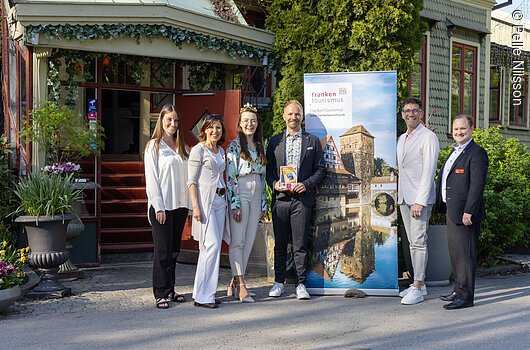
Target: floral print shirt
[[236, 167], [293, 149]]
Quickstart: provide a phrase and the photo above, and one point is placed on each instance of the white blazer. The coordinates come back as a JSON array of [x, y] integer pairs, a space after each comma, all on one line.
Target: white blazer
[[204, 173], [417, 157]]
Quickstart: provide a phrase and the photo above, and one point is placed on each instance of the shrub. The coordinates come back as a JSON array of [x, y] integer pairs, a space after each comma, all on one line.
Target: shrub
[[64, 134], [8, 200], [506, 195]]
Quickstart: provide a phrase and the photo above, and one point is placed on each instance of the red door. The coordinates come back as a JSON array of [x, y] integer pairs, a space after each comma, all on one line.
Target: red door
[[193, 105]]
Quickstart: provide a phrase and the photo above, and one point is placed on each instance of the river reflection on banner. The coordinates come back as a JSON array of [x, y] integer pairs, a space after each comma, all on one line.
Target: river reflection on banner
[[353, 248]]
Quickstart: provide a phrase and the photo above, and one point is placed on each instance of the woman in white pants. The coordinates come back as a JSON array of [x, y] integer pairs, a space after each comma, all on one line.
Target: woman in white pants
[[207, 190], [246, 194]]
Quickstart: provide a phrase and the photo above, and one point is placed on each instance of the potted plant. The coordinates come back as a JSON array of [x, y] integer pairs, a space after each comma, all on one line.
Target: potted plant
[[46, 206], [12, 262], [65, 137]]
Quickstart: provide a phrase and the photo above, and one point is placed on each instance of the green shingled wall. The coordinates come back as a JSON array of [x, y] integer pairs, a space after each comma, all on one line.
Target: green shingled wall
[[439, 69]]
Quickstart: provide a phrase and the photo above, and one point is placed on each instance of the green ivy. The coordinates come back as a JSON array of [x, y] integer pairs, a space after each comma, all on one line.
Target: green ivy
[[54, 80], [176, 35]]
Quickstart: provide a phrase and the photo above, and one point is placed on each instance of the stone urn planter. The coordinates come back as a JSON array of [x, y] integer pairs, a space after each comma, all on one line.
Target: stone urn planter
[[47, 242], [68, 271], [8, 297]]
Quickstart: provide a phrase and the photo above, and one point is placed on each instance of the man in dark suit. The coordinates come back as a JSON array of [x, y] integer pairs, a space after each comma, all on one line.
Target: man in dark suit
[[460, 193], [292, 207]]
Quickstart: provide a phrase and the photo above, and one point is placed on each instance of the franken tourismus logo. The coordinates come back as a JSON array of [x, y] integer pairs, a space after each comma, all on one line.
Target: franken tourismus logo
[[328, 96]]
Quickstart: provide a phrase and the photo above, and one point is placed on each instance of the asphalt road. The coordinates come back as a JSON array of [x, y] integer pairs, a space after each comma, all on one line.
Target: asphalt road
[[113, 308]]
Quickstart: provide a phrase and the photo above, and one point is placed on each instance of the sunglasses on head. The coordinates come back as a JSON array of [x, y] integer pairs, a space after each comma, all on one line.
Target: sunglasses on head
[[214, 117]]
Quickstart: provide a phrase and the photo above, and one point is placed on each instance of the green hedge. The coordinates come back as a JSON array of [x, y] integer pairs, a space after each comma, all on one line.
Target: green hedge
[[506, 195]]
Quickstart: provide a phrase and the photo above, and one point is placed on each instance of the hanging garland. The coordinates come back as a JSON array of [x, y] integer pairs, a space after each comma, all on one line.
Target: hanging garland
[[202, 75], [136, 31], [76, 63], [54, 80]]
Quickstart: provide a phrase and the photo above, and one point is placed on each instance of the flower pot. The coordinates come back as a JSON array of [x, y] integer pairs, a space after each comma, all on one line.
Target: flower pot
[[438, 270], [47, 241], [8, 297]]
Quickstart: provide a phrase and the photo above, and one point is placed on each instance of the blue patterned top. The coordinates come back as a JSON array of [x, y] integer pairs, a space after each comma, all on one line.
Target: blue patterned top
[[236, 167]]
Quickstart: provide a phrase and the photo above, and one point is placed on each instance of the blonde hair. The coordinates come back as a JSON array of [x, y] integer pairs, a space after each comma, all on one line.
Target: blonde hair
[[296, 103]]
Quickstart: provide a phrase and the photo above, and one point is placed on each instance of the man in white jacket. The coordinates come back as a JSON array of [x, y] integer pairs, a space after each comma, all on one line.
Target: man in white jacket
[[417, 154]]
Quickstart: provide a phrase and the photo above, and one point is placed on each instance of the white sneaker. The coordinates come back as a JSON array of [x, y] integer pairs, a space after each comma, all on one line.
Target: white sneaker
[[276, 290], [406, 291], [414, 296], [301, 292]]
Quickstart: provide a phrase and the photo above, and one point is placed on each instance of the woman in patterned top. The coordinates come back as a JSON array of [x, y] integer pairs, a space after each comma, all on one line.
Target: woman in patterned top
[[246, 164], [166, 173]]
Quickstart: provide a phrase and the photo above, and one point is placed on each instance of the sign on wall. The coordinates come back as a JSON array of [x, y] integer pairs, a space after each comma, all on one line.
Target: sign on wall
[[355, 234]]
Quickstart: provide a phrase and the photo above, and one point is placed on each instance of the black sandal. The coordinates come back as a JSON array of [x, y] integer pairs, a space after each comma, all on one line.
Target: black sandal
[[162, 303], [177, 298]]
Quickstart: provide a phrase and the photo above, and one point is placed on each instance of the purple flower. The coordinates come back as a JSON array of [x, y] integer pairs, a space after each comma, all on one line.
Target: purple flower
[[62, 168], [6, 269]]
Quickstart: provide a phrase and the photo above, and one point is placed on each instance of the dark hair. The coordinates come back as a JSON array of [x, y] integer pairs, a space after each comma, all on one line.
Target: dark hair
[[208, 123], [462, 116], [257, 137], [159, 131], [411, 100]]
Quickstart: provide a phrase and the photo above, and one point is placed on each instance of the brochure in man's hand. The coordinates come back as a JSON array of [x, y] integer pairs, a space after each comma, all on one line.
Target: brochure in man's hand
[[288, 177]]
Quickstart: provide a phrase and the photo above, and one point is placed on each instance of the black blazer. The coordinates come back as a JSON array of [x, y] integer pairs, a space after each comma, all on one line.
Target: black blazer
[[311, 171], [465, 185]]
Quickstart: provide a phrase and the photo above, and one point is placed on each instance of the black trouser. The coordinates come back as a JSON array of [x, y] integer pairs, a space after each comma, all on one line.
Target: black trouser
[[291, 217], [462, 241], [166, 239]]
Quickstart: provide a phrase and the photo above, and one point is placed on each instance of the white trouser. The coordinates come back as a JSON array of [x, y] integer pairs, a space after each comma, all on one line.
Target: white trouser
[[243, 233], [416, 229], [207, 274]]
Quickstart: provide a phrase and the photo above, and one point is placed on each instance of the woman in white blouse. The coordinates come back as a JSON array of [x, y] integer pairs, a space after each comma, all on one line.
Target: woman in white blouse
[[246, 164], [208, 197], [166, 173]]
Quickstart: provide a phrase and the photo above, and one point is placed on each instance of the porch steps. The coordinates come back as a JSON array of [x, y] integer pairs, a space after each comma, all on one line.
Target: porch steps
[[124, 224]]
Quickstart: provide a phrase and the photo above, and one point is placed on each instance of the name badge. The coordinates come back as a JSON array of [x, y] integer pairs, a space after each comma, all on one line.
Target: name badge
[[459, 171]]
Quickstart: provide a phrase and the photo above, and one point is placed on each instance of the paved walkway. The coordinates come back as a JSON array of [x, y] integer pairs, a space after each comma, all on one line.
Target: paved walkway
[[113, 308]]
